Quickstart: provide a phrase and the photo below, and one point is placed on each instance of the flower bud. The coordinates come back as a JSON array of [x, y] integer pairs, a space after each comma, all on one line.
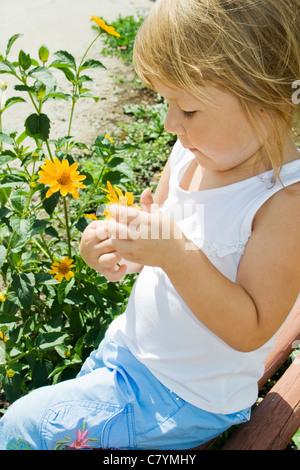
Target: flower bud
[[40, 90], [43, 54], [3, 86], [10, 373]]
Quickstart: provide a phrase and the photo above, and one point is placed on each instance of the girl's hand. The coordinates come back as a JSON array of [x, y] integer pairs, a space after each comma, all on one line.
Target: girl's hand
[[98, 252], [149, 238]]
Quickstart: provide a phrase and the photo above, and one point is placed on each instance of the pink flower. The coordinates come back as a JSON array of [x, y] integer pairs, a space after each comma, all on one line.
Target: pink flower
[[81, 440]]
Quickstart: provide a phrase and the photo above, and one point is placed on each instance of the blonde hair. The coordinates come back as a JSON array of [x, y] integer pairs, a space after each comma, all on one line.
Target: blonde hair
[[249, 47]]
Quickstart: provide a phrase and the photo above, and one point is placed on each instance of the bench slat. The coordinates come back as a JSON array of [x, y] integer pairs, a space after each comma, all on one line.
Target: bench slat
[[275, 420], [285, 342]]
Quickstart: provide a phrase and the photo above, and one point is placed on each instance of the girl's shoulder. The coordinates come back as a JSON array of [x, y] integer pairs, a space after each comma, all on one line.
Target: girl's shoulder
[[269, 270], [285, 202]]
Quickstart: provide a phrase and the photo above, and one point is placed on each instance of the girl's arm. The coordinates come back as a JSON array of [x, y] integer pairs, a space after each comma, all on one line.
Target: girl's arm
[[246, 313]]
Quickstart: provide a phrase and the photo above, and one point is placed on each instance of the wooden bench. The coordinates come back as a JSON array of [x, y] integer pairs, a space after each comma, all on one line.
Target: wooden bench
[[276, 419]]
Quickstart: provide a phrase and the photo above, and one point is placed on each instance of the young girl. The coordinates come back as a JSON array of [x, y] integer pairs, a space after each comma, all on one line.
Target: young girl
[[217, 247]]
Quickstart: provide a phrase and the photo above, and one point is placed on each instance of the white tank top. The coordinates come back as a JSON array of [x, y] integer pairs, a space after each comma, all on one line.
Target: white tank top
[[158, 327]]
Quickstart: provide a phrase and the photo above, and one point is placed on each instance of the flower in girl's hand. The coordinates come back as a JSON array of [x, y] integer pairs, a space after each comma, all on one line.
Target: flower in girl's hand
[[117, 197]]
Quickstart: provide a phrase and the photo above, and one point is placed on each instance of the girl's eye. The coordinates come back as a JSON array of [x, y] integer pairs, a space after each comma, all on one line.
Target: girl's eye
[[189, 114]]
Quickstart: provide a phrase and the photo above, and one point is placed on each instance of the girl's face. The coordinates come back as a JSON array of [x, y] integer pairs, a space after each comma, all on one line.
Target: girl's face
[[217, 130]]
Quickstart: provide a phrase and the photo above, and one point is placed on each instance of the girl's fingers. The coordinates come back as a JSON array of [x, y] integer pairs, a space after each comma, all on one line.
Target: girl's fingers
[[109, 260], [124, 215], [101, 232], [115, 274]]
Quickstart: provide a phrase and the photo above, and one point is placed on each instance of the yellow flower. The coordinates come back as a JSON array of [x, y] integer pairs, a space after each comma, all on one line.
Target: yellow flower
[[2, 297], [108, 29], [10, 373], [117, 197], [61, 177], [109, 138], [62, 269], [3, 337], [91, 216]]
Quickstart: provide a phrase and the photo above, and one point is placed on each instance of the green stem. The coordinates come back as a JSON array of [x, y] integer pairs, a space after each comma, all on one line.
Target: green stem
[[32, 100], [91, 193], [17, 358], [75, 86], [84, 56], [48, 255], [71, 116], [67, 228], [49, 150]]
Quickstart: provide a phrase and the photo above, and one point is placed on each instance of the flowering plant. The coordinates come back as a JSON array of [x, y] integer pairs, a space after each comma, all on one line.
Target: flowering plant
[[54, 309]]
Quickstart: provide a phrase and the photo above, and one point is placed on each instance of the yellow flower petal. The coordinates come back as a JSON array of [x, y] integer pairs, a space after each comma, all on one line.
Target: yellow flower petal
[[61, 177], [63, 269], [108, 29], [117, 197]]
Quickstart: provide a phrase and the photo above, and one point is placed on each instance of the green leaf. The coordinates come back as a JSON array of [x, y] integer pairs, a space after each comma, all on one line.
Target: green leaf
[[24, 60], [76, 323], [64, 288], [6, 318], [40, 372], [38, 126], [7, 67], [13, 100], [59, 94], [296, 439], [81, 224], [12, 387], [22, 228], [68, 73], [4, 195], [49, 340], [29, 89], [12, 180], [64, 58], [19, 203], [51, 202], [11, 41], [42, 74], [6, 138], [2, 255], [92, 64], [23, 285]]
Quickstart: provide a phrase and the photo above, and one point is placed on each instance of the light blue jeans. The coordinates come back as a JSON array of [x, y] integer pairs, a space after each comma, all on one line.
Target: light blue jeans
[[114, 403]]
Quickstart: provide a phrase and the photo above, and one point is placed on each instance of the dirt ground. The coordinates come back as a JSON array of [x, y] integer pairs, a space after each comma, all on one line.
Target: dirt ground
[[66, 25]]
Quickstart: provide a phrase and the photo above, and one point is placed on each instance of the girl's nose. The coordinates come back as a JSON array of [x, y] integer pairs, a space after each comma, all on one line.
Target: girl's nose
[[173, 121]]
